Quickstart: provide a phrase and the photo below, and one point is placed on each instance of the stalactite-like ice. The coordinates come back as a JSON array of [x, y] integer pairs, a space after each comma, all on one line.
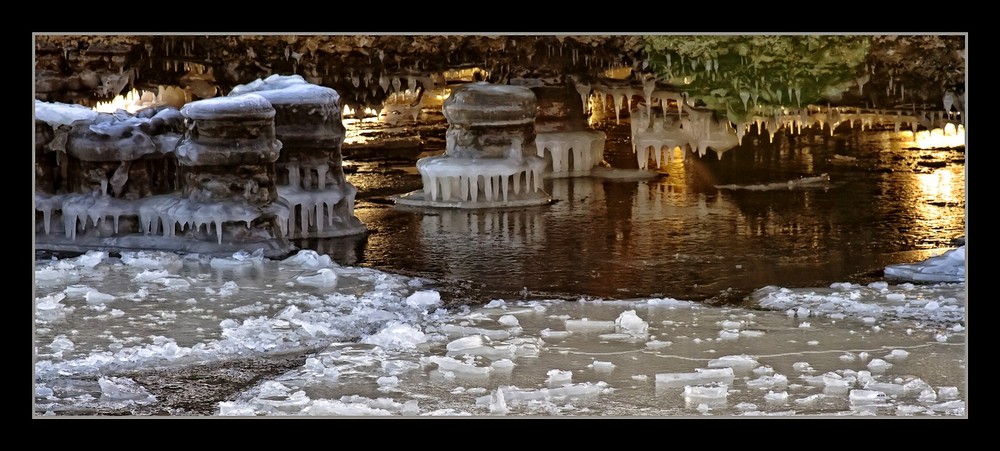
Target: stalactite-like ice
[[661, 140], [572, 153], [465, 179]]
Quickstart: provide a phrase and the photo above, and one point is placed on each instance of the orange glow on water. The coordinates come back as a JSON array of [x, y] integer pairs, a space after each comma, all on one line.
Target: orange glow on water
[[939, 138]]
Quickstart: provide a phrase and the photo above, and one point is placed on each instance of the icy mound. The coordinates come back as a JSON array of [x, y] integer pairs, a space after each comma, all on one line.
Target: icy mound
[[947, 267]]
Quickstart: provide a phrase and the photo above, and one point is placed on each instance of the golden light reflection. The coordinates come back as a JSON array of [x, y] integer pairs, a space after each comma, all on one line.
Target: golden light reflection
[[939, 186], [132, 101], [948, 137], [468, 74], [619, 73]]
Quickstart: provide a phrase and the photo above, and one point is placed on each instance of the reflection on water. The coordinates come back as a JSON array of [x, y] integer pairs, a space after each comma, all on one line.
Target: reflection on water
[[939, 138], [681, 236]]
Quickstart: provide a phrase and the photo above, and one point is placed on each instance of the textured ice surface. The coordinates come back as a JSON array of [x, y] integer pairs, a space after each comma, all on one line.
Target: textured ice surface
[[947, 267], [381, 344], [700, 376]]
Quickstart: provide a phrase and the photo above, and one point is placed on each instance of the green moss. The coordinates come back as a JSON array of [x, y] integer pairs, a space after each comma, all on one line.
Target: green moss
[[742, 75]]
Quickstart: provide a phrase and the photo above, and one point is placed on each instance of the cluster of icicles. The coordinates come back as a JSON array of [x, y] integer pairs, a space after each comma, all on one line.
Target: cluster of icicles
[[169, 214], [498, 180]]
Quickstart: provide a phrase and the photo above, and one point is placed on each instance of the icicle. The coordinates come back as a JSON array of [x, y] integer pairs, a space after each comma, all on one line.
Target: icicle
[[218, 229], [861, 83], [434, 187], [648, 85], [745, 96], [69, 223], [446, 188], [618, 106], [321, 171], [396, 83], [584, 91], [463, 185]]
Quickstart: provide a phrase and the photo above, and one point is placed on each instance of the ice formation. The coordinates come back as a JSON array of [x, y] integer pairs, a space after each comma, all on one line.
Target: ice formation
[[312, 185], [153, 179], [198, 179], [379, 344], [572, 153], [698, 131], [947, 267], [489, 160]]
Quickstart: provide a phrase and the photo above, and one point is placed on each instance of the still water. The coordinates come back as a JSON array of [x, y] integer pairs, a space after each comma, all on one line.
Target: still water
[[707, 229]]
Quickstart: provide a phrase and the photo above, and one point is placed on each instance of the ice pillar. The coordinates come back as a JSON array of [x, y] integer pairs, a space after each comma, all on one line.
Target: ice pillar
[[310, 174], [489, 158]]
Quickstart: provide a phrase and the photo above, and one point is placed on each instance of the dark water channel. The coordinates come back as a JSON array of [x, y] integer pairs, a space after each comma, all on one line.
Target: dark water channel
[[709, 229]]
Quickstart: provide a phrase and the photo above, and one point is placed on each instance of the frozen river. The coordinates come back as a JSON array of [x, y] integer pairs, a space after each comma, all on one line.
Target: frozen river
[[380, 344], [719, 290]]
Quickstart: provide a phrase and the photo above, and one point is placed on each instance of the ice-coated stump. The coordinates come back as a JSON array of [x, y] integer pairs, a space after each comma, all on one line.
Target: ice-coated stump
[[489, 159], [196, 180], [229, 131], [310, 174], [483, 119]]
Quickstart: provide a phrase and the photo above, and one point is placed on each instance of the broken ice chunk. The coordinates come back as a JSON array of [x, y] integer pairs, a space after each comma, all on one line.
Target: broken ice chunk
[[559, 377], [736, 362], [586, 325], [878, 365], [323, 278], [603, 367], [858, 396], [710, 391], [700, 376]]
